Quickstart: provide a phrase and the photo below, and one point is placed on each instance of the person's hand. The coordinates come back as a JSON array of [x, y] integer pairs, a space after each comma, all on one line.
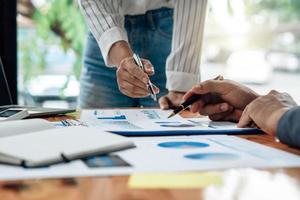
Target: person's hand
[[265, 111], [132, 80], [222, 99], [171, 100]]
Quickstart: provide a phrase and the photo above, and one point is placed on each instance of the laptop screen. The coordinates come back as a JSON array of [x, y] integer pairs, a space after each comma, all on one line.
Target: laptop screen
[[5, 98]]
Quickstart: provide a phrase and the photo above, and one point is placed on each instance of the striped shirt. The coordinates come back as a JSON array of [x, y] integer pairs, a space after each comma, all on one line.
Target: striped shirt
[[105, 19]]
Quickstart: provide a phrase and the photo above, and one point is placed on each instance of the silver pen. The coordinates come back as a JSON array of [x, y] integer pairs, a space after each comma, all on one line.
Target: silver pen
[[138, 61]]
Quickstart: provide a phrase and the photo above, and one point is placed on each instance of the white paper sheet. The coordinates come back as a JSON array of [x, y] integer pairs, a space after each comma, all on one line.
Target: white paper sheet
[[204, 153], [151, 120], [152, 154]]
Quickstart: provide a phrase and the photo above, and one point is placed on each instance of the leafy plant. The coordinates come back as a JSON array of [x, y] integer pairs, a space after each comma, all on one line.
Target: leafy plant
[[57, 22], [64, 19]]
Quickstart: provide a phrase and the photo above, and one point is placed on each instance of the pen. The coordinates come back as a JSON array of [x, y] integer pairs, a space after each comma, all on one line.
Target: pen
[[192, 99], [138, 61]]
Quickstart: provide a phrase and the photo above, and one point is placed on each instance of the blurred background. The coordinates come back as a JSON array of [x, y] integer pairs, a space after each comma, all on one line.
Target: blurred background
[[256, 42]]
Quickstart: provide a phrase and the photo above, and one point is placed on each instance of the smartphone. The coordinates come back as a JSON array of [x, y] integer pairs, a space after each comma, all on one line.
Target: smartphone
[[13, 114]]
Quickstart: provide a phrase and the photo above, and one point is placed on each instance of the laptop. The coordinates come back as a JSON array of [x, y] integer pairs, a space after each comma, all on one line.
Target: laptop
[[33, 111]]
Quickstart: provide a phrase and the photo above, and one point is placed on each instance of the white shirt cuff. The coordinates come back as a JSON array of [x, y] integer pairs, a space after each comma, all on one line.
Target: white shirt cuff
[[181, 81], [107, 39]]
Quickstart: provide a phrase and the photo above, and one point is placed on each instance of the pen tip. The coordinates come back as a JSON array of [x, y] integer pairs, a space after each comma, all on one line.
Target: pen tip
[[172, 114]]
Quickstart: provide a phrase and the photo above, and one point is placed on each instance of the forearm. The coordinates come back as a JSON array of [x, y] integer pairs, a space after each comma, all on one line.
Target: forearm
[[119, 51], [288, 128]]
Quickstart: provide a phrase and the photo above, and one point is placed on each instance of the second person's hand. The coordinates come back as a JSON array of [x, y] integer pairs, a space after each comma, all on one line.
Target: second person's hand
[[222, 99], [266, 111], [172, 100], [132, 80]]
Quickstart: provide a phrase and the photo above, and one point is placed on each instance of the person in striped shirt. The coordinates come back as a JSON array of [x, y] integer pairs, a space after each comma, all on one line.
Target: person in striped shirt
[[167, 34]]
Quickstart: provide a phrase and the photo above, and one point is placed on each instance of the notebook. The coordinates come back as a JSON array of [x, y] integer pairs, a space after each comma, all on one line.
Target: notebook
[[17, 127], [51, 145]]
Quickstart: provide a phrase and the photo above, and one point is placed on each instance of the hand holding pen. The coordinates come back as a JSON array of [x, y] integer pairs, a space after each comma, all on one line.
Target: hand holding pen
[[190, 99], [220, 99], [132, 80], [150, 86]]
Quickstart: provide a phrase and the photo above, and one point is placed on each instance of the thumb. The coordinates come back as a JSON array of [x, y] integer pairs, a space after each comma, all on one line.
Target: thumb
[[245, 118], [164, 102]]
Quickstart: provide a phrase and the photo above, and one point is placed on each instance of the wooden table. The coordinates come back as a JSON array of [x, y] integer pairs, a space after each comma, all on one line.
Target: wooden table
[[115, 187]]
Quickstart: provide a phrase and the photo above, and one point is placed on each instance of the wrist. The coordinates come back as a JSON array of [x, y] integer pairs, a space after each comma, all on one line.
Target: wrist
[[119, 51], [275, 117]]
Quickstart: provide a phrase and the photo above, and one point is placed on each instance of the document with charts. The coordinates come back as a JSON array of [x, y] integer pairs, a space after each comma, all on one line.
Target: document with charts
[[166, 154], [132, 122]]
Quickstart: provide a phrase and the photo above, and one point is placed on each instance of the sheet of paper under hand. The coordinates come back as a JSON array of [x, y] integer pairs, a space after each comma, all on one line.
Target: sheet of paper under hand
[[155, 122]]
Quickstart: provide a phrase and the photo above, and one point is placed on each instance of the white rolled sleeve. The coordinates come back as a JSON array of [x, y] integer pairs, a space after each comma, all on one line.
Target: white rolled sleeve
[[107, 39], [181, 81], [106, 22]]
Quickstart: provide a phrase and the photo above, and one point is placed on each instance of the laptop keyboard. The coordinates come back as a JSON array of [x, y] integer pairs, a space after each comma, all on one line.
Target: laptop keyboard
[[2, 108]]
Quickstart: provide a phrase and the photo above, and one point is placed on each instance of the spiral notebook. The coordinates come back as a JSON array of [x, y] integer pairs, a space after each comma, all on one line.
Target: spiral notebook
[[57, 145]]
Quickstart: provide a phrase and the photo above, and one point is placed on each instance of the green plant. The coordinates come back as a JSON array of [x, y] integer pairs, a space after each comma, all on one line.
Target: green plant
[[63, 18], [56, 22]]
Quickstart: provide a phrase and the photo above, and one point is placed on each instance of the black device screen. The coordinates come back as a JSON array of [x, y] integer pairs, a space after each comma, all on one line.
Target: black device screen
[[8, 113]]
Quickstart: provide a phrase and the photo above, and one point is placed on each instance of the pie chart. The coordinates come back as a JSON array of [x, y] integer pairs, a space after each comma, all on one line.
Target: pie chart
[[183, 145], [212, 156]]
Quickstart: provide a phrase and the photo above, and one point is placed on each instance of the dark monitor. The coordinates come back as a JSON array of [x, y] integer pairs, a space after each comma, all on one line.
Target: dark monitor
[[8, 50], [5, 97]]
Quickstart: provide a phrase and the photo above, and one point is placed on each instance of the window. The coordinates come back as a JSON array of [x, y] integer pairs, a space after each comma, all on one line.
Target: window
[[50, 43], [254, 42]]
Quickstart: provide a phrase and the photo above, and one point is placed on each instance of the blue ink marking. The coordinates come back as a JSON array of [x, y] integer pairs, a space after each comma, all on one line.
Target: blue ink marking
[[117, 116], [212, 156], [151, 114], [120, 124], [167, 122], [120, 117], [174, 124], [177, 125], [183, 145]]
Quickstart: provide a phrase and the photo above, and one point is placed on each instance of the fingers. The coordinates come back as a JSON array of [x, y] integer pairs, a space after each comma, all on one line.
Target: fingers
[[212, 109], [164, 103], [124, 76], [149, 69], [132, 89], [220, 87], [132, 81], [195, 107], [245, 119], [129, 65], [210, 86], [232, 116], [131, 86], [171, 101], [188, 95]]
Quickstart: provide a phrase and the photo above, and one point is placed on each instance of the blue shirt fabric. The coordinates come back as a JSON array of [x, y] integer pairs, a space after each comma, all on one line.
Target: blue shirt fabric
[[288, 128]]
